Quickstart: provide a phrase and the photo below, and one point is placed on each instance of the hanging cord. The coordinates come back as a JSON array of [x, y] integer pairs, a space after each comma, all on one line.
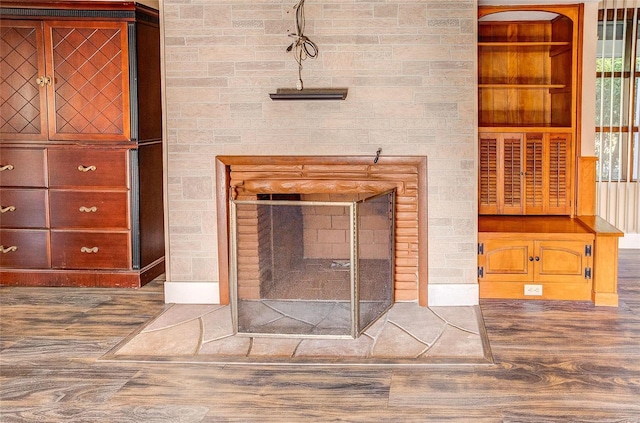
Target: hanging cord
[[302, 46]]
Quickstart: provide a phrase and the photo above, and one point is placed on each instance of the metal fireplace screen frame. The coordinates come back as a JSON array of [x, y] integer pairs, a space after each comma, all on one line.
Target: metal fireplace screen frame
[[256, 313]]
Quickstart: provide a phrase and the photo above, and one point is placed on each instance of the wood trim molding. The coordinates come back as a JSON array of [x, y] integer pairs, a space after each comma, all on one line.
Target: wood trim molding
[[318, 167]]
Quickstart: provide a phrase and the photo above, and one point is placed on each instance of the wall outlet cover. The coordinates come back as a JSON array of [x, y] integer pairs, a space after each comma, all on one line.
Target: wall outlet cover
[[533, 290]]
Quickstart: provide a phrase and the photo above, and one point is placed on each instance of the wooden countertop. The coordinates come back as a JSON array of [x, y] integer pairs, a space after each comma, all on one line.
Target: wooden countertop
[[532, 224]]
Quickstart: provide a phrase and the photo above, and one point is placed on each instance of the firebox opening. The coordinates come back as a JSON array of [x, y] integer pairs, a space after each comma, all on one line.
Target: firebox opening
[[311, 264]]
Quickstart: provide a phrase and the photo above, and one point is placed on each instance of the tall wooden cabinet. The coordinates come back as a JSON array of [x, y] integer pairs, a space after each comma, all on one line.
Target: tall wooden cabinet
[[532, 241], [81, 144]]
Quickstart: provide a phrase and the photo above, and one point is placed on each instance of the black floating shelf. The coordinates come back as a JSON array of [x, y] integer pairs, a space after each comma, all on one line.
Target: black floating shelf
[[310, 94]]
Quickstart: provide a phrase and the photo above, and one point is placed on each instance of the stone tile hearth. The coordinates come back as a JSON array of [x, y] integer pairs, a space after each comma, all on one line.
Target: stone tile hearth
[[406, 334]]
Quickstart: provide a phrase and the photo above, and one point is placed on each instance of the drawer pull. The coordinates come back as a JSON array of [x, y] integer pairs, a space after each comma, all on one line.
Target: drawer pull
[[7, 209], [89, 250], [8, 249], [88, 209], [6, 167], [86, 168]]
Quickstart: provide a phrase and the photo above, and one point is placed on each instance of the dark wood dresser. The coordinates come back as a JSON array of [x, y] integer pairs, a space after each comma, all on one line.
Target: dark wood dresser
[[81, 163]]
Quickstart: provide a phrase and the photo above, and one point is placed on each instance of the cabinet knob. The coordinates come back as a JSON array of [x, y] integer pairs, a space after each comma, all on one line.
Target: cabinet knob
[[82, 168], [7, 209], [84, 209], [89, 249], [43, 80], [8, 249], [537, 258], [6, 167], [530, 258]]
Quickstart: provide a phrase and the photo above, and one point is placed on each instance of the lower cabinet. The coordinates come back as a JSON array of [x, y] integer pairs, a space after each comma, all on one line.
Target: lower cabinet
[[542, 266], [78, 216]]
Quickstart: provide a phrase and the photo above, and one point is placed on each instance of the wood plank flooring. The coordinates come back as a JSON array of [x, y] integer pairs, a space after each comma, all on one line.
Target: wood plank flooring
[[556, 362]]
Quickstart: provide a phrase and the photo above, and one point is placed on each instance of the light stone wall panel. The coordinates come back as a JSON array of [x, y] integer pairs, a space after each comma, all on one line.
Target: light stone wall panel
[[410, 69]]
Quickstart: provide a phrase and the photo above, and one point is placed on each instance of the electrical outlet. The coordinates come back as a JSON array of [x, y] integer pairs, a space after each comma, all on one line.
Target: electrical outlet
[[533, 290]]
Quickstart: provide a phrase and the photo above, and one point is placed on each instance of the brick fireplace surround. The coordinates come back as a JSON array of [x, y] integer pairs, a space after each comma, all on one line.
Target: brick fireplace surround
[[245, 176]]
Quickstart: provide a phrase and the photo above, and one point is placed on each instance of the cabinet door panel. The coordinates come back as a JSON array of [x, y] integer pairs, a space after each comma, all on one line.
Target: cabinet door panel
[[88, 63], [560, 261], [559, 188], [534, 174], [24, 249], [22, 167], [23, 208], [88, 168], [22, 62], [488, 174], [507, 260], [511, 174], [90, 250], [89, 209]]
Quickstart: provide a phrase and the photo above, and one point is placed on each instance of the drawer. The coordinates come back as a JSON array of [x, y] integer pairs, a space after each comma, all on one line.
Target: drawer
[[23, 167], [88, 168], [24, 249], [90, 250], [23, 208], [89, 209]]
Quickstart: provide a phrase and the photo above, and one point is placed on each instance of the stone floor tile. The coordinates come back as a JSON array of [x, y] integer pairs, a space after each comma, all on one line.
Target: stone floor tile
[[393, 342], [217, 324], [335, 348], [274, 347], [232, 345], [457, 343], [421, 322], [179, 313], [463, 317], [182, 339]]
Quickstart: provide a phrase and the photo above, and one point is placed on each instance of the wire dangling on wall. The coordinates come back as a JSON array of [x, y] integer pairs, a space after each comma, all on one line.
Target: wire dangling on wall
[[302, 46]]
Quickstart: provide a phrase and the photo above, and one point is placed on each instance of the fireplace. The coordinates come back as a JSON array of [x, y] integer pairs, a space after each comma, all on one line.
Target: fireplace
[[312, 264], [247, 177]]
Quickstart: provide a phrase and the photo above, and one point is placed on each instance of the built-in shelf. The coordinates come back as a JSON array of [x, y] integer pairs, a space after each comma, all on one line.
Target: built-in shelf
[[310, 94], [522, 86], [523, 43]]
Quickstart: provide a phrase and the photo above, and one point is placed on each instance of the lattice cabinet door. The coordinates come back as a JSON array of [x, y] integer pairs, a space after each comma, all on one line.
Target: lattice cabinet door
[[88, 94], [22, 69]]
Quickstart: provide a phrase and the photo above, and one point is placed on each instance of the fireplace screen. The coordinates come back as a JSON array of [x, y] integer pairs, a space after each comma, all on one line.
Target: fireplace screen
[[311, 265]]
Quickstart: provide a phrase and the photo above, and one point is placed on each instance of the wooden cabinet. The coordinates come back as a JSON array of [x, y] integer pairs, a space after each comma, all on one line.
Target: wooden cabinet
[[528, 72], [535, 260], [525, 173], [81, 144], [71, 76]]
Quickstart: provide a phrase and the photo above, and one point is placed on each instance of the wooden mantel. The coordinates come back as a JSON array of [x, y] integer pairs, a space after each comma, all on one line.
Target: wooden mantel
[[237, 175]]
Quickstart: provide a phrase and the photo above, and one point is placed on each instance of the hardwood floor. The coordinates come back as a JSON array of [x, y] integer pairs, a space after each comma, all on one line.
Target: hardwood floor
[[556, 362]]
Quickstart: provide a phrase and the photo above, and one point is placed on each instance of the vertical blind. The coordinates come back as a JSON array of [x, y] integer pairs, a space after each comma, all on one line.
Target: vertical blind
[[618, 114]]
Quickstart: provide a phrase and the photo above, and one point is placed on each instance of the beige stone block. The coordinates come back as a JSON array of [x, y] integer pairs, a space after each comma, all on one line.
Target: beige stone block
[[197, 187], [412, 14], [216, 16], [385, 10]]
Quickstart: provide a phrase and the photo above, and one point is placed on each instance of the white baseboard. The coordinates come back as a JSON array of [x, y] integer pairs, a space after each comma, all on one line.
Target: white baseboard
[[460, 294], [192, 292], [630, 241]]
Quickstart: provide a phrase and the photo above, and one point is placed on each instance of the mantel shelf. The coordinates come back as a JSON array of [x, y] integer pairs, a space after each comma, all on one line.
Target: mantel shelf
[[310, 94]]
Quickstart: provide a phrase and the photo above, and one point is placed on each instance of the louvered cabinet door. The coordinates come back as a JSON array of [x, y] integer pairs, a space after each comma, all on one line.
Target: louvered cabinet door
[[511, 174], [534, 173], [89, 90], [22, 67], [559, 180], [488, 173]]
